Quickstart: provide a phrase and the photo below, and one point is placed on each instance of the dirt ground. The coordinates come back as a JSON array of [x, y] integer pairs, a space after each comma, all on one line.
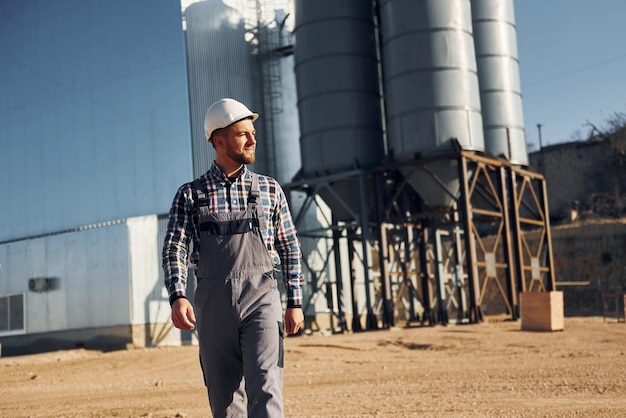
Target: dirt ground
[[492, 369]]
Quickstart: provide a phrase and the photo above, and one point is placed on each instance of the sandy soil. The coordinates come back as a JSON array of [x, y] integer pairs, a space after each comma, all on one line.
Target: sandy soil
[[492, 369]]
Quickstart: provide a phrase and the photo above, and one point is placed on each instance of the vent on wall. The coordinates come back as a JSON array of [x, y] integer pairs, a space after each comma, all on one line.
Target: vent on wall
[[43, 284]]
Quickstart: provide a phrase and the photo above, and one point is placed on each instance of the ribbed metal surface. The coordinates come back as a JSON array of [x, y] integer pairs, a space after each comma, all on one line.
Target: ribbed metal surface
[[93, 271], [430, 79], [337, 84], [286, 123], [107, 276], [431, 88], [278, 147], [94, 120], [495, 42], [220, 64], [148, 296], [161, 231]]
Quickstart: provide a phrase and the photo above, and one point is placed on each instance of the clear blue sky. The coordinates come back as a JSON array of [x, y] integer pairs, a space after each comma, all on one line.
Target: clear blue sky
[[572, 57]]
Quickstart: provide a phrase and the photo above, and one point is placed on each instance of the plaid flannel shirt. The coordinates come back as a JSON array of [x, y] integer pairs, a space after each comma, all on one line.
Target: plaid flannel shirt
[[182, 229]]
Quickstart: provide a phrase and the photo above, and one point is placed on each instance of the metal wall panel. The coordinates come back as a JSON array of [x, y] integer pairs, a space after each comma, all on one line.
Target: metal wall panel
[[93, 270], [149, 302], [94, 120]]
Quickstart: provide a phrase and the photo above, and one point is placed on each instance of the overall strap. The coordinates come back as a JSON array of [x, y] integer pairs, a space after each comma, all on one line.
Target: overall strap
[[254, 200], [197, 184], [254, 194], [201, 205]]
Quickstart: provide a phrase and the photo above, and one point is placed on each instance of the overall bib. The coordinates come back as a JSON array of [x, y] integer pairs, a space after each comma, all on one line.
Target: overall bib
[[238, 312]]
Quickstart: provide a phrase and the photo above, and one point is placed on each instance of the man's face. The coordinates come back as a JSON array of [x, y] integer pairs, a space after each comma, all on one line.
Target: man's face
[[241, 142]]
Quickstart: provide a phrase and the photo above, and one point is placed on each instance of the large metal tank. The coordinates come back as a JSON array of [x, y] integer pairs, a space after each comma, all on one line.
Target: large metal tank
[[339, 102], [220, 63], [337, 82], [498, 74], [280, 112], [431, 89]]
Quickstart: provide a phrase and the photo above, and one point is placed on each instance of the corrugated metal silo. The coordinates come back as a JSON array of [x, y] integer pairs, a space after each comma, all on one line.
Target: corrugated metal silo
[[220, 64], [337, 82], [431, 87], [336, 68], [498, 73], [287, 130], [280, 113]]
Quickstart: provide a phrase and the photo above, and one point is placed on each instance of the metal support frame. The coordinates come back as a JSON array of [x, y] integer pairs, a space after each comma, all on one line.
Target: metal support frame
[[439, 264], [452, 297], [355, 233], [429, 290], [401, 274], [529, 199], [490, 239]]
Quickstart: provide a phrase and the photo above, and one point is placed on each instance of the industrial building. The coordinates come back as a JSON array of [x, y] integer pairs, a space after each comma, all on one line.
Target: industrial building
[[395, 127]]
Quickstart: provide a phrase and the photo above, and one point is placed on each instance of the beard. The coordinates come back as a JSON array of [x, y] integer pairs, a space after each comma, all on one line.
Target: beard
[[243, 157]]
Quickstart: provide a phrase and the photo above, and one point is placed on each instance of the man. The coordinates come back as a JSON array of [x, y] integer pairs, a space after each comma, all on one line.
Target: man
[[241, 229]]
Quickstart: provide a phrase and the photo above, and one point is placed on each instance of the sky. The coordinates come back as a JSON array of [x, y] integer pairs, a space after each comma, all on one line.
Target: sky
[[572, 58]]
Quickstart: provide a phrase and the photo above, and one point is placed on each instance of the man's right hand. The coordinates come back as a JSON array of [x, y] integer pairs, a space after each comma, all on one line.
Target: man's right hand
[[183, 316]]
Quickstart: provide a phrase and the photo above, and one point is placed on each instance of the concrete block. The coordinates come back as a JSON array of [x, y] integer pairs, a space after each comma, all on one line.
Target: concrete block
[[542, 311]]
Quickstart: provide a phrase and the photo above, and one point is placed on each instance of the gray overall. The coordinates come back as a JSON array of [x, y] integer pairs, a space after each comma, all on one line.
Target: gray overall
[[238, 312]]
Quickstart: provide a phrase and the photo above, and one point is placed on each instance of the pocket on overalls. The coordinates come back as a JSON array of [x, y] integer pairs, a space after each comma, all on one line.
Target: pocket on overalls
[[281, 346], [269, 280]]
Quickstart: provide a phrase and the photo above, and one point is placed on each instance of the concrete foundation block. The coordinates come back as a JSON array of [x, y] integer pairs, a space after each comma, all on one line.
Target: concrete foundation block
[[542, 311]]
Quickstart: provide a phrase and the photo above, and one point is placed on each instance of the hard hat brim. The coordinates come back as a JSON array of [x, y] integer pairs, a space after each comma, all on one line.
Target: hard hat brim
[[224, 113]]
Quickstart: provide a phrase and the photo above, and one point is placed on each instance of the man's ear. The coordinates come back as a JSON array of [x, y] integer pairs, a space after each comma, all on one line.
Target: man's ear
[[218, 141]]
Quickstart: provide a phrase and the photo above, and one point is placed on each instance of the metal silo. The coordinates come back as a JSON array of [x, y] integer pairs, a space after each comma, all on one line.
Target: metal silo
[[220, 64], [337, 82], [339, 104], [431, 88], [498, 73], [280, 143]]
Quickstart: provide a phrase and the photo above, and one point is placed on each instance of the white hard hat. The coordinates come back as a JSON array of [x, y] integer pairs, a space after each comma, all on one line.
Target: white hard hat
[[223, 113]]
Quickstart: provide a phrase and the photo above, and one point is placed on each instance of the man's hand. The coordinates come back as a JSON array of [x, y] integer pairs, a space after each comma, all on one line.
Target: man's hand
[[294, 320], [183, 316]]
